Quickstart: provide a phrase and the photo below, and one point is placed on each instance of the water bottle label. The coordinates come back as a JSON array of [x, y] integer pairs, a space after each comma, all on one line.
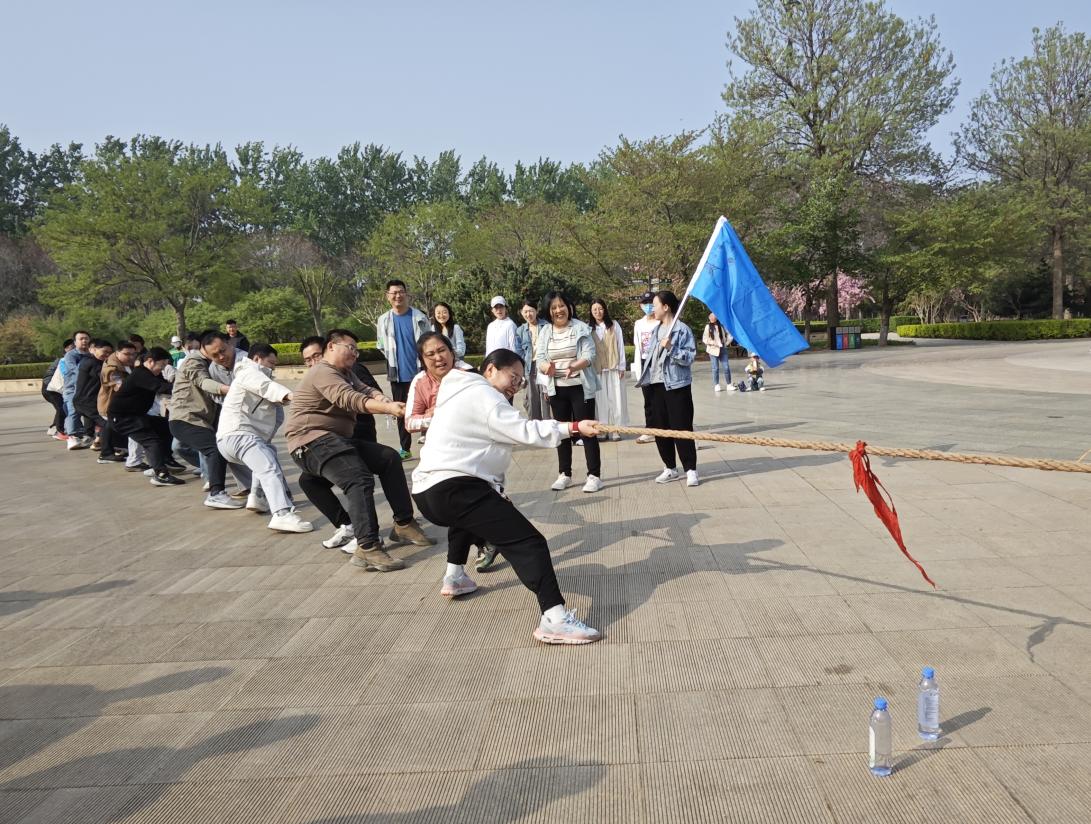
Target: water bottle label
[[871, 747]]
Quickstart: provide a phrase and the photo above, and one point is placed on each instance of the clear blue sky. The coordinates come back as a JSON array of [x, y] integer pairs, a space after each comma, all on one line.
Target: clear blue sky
[[510, 80]]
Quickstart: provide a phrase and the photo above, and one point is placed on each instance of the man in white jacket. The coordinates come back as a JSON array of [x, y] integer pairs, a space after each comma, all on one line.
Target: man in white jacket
[[249, 419], [459, 484]]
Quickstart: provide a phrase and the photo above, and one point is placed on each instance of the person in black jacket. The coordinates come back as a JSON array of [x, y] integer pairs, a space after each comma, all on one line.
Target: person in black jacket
[[235, 337], [85, 401], [129, 414], [55, 399]]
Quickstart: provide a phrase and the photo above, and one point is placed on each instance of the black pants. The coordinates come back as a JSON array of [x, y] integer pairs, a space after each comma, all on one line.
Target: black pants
[[151, 432], [399, 391], [204, 441], [570, 405], [57, 402], [352, 465], [673, 409], [481, 512], [648, 414]]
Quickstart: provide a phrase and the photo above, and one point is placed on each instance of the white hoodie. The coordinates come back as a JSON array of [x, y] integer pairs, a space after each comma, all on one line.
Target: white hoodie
[[472, 433], [253, 401]]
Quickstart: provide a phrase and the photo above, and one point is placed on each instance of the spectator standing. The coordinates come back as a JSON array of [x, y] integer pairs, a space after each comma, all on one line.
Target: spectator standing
[[500, 333], [536, 402], [396, 333], [610, 402], [667, 372], [643, 332], [235, 337], [443, 321], [716, 340], [566, 358]]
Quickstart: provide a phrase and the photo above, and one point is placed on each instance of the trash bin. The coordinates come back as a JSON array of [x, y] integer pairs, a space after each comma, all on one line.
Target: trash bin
[[847, 337]]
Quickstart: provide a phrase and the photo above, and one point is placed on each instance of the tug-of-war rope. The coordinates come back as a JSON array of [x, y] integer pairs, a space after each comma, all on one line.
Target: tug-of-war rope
[[862, 474]]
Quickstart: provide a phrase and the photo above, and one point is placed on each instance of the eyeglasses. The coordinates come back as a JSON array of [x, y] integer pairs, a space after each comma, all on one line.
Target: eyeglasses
[[350, 346], [518, 381], [315, 358], [393, 293]]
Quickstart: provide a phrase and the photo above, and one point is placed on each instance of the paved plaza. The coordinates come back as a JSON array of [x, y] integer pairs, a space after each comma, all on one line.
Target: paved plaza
[[164, 662]]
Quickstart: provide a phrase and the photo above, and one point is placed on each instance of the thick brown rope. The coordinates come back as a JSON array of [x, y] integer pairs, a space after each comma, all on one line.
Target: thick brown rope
[[832, 446]]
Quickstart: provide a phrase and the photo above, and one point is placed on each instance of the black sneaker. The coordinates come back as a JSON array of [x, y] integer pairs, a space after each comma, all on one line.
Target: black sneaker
[[174, 466], [140, 467], [166, 479], [111, 459]]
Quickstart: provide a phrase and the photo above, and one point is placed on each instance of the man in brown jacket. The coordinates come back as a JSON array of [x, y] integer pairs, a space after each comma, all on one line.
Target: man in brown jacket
[[114, 370], [319, 429]]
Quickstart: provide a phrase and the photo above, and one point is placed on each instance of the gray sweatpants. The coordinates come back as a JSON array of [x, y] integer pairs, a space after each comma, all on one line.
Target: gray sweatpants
[[260, 458]]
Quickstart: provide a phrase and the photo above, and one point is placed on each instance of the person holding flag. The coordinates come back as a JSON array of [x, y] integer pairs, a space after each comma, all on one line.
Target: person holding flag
[[667, 373]]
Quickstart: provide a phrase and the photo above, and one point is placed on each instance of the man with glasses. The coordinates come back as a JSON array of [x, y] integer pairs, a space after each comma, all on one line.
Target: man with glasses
[[319, 428], [396, 334]]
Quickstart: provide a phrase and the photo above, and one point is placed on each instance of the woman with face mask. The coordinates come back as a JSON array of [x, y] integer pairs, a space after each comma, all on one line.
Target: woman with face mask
[[643, 332], [610, 365], [566, 359], [459, 484]]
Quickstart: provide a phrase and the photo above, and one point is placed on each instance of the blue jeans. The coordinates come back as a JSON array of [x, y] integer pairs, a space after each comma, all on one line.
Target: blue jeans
[[73, 421], [719, 363]]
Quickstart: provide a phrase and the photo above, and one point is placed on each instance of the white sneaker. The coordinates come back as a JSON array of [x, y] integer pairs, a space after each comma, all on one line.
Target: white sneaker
[[51, 431], [646, 439], [691, 478], [562, 482], [221, 500], [256, 502], [289, 522], [150, 473], [718, 388], [569, 631], [594, 484], [666, 476], [732, 388], [75, 443], [614, 436], [207, 487], [341, 537], [350, 547]]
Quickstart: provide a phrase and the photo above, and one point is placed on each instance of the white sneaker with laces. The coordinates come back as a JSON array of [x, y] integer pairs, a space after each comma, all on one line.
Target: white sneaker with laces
[[289, 522], [350, 547], [666, 476], [732, 388], [691, 478], [454, 587], [207, 487], [646, 439], [717, 388], [563, 482], [569, 631], [256, 502], [594, 484], [341, 537], [221, 500]]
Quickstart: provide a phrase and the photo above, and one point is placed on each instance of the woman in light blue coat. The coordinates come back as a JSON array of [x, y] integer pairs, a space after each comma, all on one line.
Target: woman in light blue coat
[[537, 400], [565, 357]]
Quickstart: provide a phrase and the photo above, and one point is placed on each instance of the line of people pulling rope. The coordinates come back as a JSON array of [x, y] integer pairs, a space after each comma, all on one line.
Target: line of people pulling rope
[[218, 408]]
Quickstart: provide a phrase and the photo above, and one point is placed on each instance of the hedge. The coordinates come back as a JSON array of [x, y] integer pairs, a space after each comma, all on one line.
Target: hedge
[[865, 324], [293, 348], [1000, 330], [19, 371]]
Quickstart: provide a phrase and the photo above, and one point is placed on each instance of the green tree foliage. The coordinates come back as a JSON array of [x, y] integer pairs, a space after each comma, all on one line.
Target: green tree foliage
[[273, 315], [150, 217], [1031, 129]]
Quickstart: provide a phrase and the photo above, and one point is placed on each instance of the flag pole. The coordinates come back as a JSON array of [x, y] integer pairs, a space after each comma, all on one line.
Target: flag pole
[[700, 265]]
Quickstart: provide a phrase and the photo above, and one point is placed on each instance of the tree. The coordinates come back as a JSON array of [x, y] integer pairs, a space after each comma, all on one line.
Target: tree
[[1032, 129], [150, 216], [273, 315], [845, 87]]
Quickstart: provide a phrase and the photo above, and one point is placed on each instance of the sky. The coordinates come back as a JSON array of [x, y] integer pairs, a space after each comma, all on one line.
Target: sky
[[507, 80]]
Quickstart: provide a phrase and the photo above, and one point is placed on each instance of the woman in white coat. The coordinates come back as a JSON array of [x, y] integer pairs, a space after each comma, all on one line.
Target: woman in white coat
[[610, 404]]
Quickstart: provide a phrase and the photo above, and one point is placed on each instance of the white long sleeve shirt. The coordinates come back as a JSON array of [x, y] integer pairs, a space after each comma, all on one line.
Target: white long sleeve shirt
[[251, 404], [500, 334]]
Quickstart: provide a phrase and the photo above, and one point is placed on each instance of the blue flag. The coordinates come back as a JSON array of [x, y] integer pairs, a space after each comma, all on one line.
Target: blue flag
[[728, 284]]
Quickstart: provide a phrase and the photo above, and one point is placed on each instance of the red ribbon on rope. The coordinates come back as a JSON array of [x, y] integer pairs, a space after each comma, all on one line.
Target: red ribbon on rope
[[862, 476]]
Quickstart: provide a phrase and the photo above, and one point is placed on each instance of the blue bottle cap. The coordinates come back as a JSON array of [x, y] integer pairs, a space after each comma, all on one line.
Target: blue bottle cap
[[928, 672], [880, 703]]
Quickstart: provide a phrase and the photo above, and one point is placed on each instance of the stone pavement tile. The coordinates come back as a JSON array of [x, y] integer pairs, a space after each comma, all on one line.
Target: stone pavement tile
[[233, 640], [349, 635], [974, 517], [1058, 571], [1040, 509], [559, 730], [1031, 606], [23, 738], [1063, 650], [27, 647], [1080, 594], [737, 790], [888, 611], [960, 653], [265, 604], [686, 666], [16, 804], [833, 718], [826, 659], [120, 645], [975, 573], [249, 578], [932, 785], [1049, 781], [61, 613], [402, 677], [309, 681], [148, 610], [93, 805], [220, 802], [711, 726], [30, 587], [688, 621], [1040, 544], [544, 670], [887, 571], [812, 615]]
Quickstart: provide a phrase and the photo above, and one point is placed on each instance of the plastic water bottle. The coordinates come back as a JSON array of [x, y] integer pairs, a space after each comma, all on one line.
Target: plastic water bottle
[[879, 746], [928, 726]]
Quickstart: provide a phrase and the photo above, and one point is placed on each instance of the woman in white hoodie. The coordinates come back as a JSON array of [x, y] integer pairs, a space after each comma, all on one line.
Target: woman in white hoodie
[[249, 419], [459, 484]]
